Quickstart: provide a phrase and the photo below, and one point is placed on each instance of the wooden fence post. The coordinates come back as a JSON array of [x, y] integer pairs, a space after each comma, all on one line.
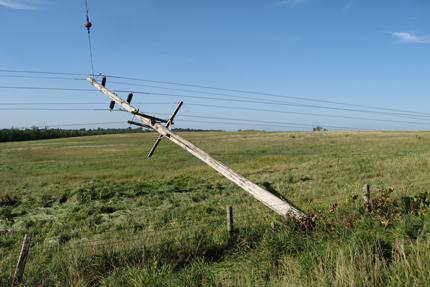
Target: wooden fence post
[[230, 228], [367, 198], [19, 271]]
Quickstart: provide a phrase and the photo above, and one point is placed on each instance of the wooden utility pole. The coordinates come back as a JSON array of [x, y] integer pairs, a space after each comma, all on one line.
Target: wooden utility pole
[[278, 205]]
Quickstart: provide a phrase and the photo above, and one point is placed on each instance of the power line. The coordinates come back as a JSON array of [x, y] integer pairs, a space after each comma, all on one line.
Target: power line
[[47, 73], [45, 88], [272, 103], [263, 125], [297, 113], [254, 121], [57, 109], [195, 116], [39, 77], [231, 90], [203, 105], [265, 101], [88, 26], [235, 98], [225, 121], [228, 96], [265, 94], [68, 125], [47, 104], [222, 99], [240, 97]]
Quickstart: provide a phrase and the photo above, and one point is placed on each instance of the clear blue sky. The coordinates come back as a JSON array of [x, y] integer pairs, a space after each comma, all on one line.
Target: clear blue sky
[[359, 52]]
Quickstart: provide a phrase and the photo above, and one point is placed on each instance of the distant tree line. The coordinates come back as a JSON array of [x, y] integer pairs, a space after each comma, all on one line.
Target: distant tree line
[[193, 130], [34, 133], [318, 129]]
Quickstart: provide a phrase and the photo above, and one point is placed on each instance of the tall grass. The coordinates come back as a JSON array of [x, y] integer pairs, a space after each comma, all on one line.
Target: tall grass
[[103, 214]]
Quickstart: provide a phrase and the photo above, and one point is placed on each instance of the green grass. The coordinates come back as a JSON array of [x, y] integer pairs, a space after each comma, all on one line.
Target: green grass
[[102, 213]]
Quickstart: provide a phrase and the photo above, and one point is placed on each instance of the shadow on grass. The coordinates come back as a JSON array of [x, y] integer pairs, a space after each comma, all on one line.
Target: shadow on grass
[[269, 188]]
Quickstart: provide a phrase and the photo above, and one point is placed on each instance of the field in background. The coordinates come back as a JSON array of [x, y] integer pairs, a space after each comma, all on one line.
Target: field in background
[[92, 193]]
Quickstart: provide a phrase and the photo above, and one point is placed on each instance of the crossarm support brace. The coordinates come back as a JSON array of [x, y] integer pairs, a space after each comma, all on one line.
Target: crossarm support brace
[[138, 124], [169, 122]]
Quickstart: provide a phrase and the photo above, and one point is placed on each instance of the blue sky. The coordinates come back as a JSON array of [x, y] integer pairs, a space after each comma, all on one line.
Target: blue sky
[[355, 64]]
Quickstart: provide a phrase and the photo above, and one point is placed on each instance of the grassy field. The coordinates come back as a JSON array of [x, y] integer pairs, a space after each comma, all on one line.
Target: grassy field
[[103, 214]]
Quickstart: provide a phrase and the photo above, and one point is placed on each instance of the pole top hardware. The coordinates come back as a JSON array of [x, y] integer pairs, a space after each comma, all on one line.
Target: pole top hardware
[[104, 81], [130, 96], [169, 122], [137, 112]]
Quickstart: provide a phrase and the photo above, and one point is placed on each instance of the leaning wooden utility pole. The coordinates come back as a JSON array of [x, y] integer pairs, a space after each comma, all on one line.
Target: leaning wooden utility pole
[[277, 204]]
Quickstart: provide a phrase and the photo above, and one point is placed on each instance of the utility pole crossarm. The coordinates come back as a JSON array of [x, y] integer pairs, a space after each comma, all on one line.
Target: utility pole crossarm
[[169, 122], [275, 203]]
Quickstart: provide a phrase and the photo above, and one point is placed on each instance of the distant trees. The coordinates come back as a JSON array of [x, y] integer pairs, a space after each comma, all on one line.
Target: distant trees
[[318, 129], [34, 133], [193, 130]]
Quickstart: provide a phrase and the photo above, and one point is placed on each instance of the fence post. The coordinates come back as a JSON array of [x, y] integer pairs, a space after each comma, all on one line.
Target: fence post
[[19, 271], [230, 227], [367, 198]]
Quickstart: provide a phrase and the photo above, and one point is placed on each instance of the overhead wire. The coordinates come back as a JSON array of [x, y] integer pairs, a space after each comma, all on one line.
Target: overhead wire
[[263, 94], [271, 103], [42, 72], [81, 124], [50, 104], [256, 121], [297, 113], [222, 99], [267, 125], [223, 107], [226, 121], [47, 88], [233, 120], [242, 99], [88, 25], [39, 77], [407, 115], [234, 98], [47, 109], [223, 89]]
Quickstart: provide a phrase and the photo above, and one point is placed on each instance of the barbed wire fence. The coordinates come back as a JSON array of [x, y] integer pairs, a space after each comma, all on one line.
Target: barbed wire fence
[[183, 236], [136, 238]]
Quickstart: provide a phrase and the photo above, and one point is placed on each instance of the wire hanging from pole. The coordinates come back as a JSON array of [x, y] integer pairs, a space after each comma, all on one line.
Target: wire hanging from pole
[[88, 25]]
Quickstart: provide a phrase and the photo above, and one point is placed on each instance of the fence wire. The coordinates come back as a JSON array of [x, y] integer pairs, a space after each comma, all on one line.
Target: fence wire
[[83, 245]]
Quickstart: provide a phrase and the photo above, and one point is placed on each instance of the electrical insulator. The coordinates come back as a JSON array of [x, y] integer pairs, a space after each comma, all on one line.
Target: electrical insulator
[[112, 104], [88, 24], [104, 81], [130, 96]]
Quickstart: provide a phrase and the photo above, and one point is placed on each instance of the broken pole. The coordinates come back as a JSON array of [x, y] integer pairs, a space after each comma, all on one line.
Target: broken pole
[[277, 204]]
